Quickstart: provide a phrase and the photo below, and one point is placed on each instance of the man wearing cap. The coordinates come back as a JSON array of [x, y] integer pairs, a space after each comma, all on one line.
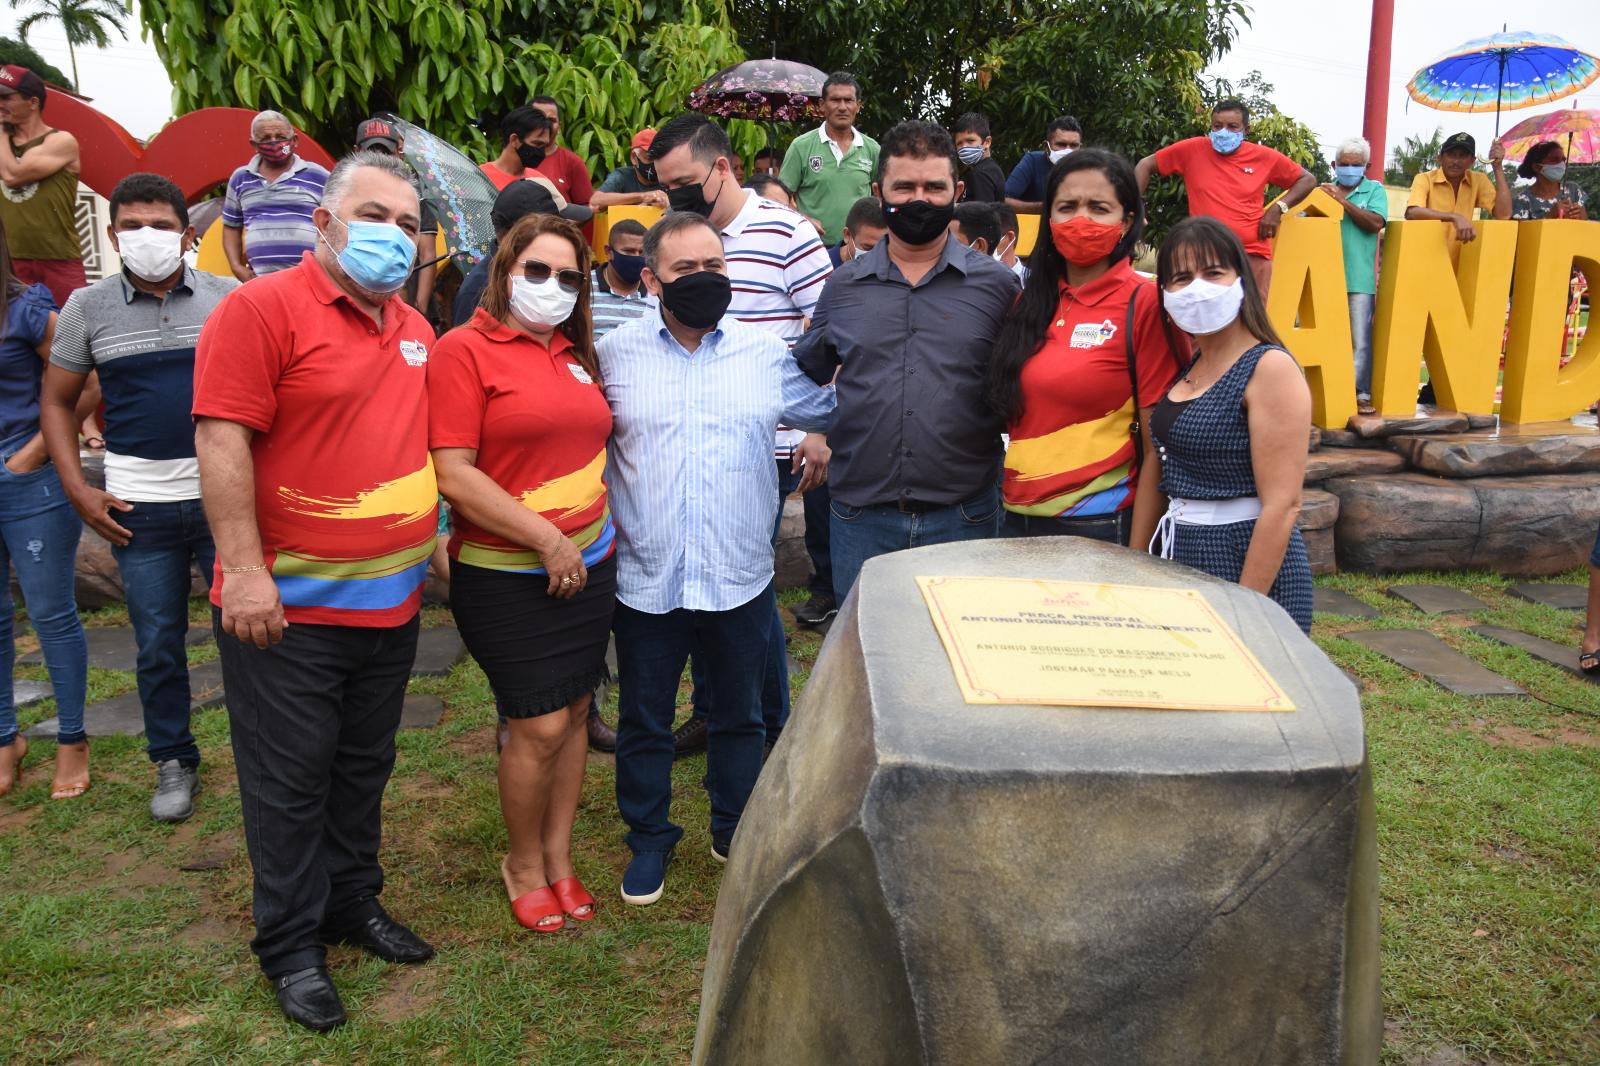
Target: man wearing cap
[[634, 184], [266, 211], [527, 196], [1454, 190], [379, 135], [38, 189]]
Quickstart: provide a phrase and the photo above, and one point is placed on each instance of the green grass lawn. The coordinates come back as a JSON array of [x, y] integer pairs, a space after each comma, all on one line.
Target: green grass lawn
[[124, 941]]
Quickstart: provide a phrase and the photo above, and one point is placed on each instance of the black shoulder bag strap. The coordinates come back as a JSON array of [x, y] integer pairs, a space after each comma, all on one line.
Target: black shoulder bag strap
[[1135, 430]]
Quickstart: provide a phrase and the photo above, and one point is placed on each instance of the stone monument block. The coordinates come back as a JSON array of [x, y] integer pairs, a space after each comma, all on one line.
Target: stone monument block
[[919, 880]]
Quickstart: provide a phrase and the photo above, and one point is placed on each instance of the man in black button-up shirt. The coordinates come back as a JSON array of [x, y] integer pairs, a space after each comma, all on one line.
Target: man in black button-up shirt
[[909, 327]]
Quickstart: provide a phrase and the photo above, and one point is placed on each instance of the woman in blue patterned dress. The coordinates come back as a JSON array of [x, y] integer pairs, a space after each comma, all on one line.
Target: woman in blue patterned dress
[[1232, 431]]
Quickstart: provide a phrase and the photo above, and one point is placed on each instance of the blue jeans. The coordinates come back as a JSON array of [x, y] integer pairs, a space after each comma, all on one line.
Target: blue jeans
[[775, 683], [39, 534], [861, 533], [731, 647], [1361, 307], [167, 537]]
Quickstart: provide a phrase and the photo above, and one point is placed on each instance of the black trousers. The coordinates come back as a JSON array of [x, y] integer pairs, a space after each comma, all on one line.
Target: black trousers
[[313, 721]]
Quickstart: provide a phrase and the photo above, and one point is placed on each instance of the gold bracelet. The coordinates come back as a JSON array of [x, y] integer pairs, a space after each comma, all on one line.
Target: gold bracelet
[[243, 569]]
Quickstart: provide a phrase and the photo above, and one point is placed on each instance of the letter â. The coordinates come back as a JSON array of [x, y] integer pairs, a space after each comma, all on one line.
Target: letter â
[[1309, 308]]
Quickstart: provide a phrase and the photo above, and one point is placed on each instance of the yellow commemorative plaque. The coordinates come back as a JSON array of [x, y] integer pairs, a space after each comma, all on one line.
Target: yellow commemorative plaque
[[1082, 644]]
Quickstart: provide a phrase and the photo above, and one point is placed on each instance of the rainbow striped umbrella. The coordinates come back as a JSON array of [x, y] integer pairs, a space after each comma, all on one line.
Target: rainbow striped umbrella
[[1504, 72]]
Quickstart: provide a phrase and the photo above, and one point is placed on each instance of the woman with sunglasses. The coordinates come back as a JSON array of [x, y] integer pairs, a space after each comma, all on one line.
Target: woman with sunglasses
[[518, 429], [1231, 432]]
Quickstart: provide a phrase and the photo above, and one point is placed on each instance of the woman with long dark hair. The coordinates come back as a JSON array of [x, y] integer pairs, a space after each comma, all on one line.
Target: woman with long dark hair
[[1079, 363], [1231, 433], [1549, 196], [39, 534], [518, 428]]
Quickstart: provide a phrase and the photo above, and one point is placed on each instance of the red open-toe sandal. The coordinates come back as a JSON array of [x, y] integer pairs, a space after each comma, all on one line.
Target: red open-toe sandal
[[535, 907], [572, 895]]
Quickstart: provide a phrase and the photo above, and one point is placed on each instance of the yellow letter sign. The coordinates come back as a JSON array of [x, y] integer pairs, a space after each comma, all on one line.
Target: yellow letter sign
[[1309, 309], [1537, 387], [1457, 327]]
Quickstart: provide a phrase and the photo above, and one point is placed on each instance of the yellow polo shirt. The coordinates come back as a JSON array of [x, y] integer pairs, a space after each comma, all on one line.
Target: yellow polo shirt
[[1432, 190]]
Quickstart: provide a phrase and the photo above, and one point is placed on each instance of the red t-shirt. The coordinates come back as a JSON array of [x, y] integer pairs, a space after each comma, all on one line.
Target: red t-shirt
[[345, 495], [1230, 188], [500, 178], [539, 424], [570, 173], [1071, 455]]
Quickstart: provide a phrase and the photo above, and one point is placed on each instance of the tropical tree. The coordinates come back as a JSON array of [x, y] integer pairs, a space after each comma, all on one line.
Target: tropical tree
[[450, 66], [83, 21], [24, 55], [1412, 156]]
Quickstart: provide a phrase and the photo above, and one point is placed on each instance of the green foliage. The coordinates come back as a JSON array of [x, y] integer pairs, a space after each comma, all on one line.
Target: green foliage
[[446, 66], [1412, 156], [83, 22], [23, 55]]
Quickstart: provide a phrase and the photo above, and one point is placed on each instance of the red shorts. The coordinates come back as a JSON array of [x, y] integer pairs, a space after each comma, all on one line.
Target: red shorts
[[60, 276]]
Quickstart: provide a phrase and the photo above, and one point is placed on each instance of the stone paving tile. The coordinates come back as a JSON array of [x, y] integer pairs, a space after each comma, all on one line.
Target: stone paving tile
[[1437, 599], [438, 649], [1425, 654], [1563, 656], [1332, 601], [1561, 597]]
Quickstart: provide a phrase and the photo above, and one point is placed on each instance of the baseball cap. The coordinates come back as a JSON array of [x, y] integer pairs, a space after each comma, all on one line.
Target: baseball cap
[[1459, 140], [643, 139], [15, 79], [533, 196], [377, 131]]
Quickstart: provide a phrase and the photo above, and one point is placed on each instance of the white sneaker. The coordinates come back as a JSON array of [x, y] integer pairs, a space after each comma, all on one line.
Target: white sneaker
[[176, 785]]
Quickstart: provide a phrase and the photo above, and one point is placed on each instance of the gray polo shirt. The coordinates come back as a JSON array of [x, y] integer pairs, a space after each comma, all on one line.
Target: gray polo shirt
[[913, 422], [143, 347]]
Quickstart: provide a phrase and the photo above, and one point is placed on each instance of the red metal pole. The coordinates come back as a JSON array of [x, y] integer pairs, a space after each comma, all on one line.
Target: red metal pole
[[1375, 120]]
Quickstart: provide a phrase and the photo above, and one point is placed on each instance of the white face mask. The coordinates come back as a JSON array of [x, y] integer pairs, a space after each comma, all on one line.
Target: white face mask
[[1058, 154], [1203, 307], [544, 305], [150, 254]]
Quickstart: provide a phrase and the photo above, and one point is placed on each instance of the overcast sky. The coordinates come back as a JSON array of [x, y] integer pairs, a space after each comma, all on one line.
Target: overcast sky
[[1314, 55]]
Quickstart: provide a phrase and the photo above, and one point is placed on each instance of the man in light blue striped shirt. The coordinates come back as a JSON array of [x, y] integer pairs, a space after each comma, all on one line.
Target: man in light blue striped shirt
[[695, 398]]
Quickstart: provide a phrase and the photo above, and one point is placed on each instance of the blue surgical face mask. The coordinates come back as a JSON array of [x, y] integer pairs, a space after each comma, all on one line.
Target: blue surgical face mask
[[377, 255], [1349, 177], [1554, 171], [1225, 141]]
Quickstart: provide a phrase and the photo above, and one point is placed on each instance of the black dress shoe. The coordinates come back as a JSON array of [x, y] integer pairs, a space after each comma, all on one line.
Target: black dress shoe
[[308, 998], [817, 610], [384, 937], [689, 738], [601, 736]]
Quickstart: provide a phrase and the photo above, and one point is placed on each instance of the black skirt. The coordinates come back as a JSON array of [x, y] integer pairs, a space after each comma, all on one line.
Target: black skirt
[[540, 653]]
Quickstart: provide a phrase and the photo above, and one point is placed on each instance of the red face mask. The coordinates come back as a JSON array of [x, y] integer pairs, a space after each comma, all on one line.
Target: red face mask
[[275, 151], [1083, 241]]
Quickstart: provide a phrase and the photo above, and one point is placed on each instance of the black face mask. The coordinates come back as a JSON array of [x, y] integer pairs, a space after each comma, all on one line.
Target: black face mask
[[917, 222], [692, 197], [531, 155], [698, 300]]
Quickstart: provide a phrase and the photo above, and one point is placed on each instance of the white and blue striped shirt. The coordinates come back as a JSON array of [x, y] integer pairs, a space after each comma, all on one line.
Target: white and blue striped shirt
[[693, 487]]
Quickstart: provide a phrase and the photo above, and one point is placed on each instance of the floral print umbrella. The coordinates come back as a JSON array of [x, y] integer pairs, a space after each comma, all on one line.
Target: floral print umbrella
[[1577, 129], [763, 90]]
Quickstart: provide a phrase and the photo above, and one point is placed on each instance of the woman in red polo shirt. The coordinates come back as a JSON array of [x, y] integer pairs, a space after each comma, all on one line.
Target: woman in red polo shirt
[[518, 428], [1067, 358]]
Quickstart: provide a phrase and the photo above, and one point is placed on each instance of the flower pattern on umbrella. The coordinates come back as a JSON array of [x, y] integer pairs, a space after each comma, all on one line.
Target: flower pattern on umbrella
[[765, 90]]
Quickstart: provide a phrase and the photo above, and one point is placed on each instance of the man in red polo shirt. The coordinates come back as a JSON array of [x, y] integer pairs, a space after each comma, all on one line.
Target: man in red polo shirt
[[1227, 175], [562, 165], [312, 432]]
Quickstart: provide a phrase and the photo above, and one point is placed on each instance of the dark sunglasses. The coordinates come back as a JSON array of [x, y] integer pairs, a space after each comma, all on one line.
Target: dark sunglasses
[[538, 273]]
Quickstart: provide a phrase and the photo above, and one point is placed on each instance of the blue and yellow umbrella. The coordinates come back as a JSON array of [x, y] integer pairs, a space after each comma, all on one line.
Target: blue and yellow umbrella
[[1504, 72]]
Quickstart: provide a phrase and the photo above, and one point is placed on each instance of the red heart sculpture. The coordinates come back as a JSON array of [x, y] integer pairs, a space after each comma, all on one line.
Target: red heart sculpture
[[199, 151]]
